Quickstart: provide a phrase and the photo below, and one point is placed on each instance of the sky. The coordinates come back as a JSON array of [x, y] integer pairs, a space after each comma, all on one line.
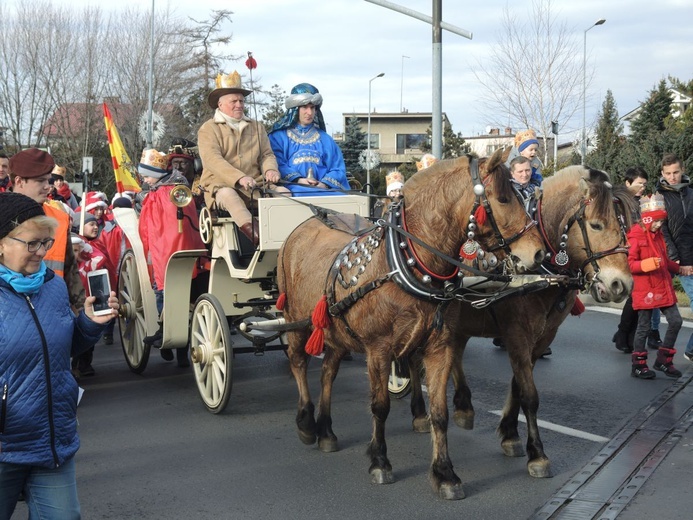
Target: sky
[[339, 45]]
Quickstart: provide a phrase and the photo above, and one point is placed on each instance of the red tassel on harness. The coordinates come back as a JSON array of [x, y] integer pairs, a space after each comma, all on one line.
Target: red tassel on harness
[[480, 215], [281, 302], [578, 307], [321, 320]]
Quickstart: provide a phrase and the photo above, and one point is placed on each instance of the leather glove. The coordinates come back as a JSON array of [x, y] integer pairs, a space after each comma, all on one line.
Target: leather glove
[[650, 264]]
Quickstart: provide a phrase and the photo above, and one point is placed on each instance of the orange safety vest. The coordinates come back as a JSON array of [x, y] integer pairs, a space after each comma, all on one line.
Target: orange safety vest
[[55, 258]]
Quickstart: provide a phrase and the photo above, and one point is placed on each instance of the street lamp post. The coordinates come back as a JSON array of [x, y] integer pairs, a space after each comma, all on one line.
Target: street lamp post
[[368, 135], [583, 144], [401, 86]]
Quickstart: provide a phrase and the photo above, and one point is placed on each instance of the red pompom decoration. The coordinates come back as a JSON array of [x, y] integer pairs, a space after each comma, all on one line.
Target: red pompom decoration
[[281, 302]]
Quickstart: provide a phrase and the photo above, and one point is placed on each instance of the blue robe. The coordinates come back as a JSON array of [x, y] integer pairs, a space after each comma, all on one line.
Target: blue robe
[[302, 147]]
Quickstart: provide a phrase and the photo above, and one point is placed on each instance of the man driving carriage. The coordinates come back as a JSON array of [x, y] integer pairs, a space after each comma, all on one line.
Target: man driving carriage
[[236, 155]]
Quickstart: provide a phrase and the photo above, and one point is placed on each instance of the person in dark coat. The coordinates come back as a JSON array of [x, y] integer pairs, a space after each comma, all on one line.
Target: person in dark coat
[[674, 186], [38, 333]]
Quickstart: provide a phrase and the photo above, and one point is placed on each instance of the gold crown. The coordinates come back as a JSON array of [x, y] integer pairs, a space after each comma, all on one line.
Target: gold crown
[[426, 161], [394, 176], [232, 80], [59, 170], [154, 159], [653, 203]]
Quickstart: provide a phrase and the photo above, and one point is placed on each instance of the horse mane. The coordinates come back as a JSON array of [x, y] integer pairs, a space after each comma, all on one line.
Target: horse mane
[[498, 174]]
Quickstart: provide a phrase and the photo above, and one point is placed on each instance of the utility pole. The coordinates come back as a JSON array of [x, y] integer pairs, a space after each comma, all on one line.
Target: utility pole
[[437, 26]]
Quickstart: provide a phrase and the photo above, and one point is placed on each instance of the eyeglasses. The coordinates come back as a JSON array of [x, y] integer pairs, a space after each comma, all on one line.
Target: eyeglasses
[[34, 245]]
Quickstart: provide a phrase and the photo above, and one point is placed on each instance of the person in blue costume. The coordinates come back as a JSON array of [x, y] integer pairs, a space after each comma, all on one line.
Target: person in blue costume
[[309, 160]]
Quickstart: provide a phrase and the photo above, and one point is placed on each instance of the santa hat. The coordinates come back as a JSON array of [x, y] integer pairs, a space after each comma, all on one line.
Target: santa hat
[[77, 240], [525, 138], [94, 201], [395, 181], [652, 208]]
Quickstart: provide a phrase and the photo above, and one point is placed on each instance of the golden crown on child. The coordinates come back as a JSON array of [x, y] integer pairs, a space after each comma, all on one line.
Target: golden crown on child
[[653, 203]]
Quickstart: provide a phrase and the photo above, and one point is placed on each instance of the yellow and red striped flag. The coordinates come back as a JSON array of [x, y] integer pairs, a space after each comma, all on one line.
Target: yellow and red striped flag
[[125, 180]]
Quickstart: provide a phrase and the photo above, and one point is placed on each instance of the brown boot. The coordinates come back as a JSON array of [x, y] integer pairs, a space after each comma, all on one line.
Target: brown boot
[[665, 362], [251, 231], [639, 368]]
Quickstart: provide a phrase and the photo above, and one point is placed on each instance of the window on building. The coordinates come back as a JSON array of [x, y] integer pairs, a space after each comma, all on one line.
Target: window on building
[[375, 141], [410, 142], [490, 148]]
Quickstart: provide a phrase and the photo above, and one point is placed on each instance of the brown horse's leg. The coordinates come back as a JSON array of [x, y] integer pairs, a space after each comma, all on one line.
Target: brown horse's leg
[[298, 360], [463, 414], [443, 478], [420, 422], [507, 429], [524, 394], [327, 440], [378, 373]]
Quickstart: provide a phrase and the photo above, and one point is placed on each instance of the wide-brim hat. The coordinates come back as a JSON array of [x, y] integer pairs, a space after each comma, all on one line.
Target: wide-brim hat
[[226, 84]]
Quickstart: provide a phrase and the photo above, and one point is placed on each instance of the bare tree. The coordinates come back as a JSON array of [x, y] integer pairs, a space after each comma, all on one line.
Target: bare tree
[[534, 73]]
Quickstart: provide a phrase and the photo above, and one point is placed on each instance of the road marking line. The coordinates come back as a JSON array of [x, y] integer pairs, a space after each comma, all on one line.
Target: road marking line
[[615, 310], [560, 429]]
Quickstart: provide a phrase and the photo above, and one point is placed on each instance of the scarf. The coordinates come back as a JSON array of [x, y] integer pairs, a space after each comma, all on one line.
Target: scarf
[[24, 284], [65, 192]]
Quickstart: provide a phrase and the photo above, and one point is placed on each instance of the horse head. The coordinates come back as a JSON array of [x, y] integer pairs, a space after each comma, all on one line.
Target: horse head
[[458, 203], [588, 218]]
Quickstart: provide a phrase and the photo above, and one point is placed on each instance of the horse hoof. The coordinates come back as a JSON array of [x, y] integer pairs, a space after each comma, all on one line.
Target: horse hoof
[[307, 438], [451, 492], [513, 448], [539, 468], [422, 424], [464, 420], [381, 476], [328, 445]]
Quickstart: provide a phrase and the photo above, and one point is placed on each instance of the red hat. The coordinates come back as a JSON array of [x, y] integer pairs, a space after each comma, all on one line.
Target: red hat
[[31, 163], [94, 201], [652, 208]]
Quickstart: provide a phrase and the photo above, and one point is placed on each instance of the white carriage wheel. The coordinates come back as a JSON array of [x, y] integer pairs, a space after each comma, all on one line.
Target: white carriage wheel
[[205, 225], [397, 385], [131, 317], [211, 352]]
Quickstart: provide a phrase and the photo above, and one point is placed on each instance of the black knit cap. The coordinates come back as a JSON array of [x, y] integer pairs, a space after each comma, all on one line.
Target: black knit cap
[[16, 208]]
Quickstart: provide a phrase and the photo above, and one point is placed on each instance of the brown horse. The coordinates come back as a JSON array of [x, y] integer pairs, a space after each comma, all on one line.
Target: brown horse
[[583, 220], [380, 310]]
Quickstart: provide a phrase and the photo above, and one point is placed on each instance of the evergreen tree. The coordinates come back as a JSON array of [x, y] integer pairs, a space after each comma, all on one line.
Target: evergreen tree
[[354, 143], [609, 136], [653, 114], [453, 143], [275, 108]]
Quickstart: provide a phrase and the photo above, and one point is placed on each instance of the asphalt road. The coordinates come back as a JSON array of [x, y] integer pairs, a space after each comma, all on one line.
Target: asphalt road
[[150, 450]]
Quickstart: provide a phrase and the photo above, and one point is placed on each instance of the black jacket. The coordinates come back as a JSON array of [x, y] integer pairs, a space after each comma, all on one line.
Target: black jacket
[[678, 229]]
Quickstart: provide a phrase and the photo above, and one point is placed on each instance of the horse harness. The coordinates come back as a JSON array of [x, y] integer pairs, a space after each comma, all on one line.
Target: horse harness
[[558, 260], [352, 261]]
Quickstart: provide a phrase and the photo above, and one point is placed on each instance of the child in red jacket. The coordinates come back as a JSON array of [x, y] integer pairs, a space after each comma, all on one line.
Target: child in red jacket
[[652, 287]]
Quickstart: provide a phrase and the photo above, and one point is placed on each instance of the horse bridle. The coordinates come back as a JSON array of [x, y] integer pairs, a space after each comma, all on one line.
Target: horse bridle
[[560, 258], [482, 201]]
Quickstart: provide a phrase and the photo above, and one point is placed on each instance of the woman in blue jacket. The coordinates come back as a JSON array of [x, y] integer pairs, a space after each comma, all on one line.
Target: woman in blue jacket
[[38, 334]]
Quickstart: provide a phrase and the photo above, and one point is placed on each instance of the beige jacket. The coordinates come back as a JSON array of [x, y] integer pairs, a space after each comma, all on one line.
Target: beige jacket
[[228, 154]]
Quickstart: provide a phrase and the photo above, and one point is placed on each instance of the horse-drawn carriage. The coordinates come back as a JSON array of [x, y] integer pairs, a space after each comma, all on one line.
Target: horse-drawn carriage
[[397, 287], [241, 286]]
